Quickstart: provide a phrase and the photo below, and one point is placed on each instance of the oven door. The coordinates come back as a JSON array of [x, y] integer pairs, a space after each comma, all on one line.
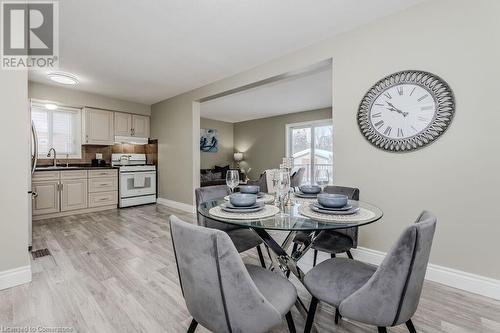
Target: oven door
[[137, 183]]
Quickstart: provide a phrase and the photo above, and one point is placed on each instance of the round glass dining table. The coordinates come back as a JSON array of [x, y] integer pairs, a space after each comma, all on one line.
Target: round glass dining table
[[291, 220]]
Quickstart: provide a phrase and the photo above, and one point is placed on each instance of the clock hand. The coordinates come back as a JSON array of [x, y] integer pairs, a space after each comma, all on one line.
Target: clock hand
[[395, 109]]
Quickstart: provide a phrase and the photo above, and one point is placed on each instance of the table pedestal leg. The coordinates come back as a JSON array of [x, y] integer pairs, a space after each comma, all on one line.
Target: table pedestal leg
[[283, 260]]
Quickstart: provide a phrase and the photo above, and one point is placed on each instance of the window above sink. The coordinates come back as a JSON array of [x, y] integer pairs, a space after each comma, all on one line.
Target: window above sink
[[58, 128]]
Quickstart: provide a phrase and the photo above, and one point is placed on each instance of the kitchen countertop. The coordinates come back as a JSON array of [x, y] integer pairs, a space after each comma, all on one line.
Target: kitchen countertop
[[73, 167]]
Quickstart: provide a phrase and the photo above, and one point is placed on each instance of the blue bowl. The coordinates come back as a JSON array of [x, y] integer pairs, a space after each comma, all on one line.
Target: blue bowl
[[242, 199], [250, 189], [332, 200], [310, 189]]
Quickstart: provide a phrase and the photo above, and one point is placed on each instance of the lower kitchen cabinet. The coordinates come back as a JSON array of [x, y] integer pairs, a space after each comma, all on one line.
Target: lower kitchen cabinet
[[73, 194], [62, 193], [46, 198]]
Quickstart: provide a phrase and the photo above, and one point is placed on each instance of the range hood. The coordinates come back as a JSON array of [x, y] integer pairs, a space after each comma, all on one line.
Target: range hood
[[131, 140]]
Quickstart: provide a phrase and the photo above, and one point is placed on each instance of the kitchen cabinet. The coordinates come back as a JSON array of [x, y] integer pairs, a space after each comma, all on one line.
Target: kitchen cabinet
[[123, 124], [97, 127], [73, 194], [46, 197], [140, 126], [127, 124], [68, 192]]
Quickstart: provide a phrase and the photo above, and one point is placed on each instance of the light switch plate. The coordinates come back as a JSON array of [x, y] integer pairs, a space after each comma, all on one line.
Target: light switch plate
[[98, 156]]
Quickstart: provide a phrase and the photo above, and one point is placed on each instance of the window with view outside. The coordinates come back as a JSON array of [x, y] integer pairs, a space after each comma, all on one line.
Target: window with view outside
[[311, 146], [59, 129]]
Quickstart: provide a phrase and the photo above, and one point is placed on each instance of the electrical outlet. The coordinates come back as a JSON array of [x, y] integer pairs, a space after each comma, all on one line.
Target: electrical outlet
[[98, 156]]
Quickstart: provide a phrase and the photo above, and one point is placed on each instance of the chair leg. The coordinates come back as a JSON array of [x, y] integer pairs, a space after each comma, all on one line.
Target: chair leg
[[192, 327], [261, 257], [337, 316], [310, 315], [289, 321], [315, 257], [382, 330], [349, 254], [411, 328]]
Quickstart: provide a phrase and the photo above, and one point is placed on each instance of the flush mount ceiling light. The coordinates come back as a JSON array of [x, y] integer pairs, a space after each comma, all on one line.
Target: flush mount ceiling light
[[63, 78], [50, 106]]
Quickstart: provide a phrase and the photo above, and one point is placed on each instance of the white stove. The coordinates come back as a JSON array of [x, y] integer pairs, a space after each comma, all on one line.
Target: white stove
[[137, 180]]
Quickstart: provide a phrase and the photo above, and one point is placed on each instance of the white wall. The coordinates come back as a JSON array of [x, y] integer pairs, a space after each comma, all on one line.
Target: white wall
[[457, 177], [14, 178], [78, 98]]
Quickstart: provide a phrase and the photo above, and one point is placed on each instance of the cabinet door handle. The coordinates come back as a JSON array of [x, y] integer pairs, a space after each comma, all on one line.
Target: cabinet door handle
[[34, 195]]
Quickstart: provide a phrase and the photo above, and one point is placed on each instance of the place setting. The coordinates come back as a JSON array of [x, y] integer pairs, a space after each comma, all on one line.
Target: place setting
[[244, 205], [255, 190], [334, 207]]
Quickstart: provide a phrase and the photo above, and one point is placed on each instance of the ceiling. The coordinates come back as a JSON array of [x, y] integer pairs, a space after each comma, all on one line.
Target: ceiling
[[303, 92], [149, 50]]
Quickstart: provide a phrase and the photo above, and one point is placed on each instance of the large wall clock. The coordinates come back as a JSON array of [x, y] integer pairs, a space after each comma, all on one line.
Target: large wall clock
[[406, 111]]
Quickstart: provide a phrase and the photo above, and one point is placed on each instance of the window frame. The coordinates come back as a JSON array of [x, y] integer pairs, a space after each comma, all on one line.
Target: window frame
[[78, 135], [309, 124]]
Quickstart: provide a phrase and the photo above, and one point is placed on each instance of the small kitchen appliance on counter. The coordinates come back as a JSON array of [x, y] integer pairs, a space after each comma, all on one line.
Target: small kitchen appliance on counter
[[137, 179]]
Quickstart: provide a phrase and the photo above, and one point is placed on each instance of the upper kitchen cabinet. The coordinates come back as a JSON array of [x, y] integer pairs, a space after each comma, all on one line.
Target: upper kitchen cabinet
[[97, 127], [131, 125], [123, 124], [140, 126]]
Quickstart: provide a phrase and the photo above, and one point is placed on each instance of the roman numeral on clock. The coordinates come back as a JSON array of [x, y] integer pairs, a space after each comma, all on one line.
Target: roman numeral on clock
[[379, 124], [423, 119], [400, 132], [388, 130], [422, 98], [376, 115], [400, 90], [386, 94], [426, 108]]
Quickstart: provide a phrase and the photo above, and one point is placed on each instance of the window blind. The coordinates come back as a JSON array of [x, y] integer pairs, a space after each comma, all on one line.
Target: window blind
[[59, 129]]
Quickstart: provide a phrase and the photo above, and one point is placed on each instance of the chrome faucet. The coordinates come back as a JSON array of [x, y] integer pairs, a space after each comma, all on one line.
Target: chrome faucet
[[55, 155]]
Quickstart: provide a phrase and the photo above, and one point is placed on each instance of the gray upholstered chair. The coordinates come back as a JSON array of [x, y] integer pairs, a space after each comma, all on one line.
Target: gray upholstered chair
[[332, 241], [221, 293], [385, 296], [244, 239], [261, 182], [296, 176]]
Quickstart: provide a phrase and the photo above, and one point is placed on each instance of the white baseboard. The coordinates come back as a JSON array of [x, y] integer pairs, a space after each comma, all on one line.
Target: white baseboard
[[473, 283], [15, 277], [177, 205]]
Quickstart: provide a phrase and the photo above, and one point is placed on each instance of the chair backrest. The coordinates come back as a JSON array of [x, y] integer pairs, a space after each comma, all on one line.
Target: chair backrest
[[219, 292], [353, 194], [296, 176], [391, 295], [208, 193]]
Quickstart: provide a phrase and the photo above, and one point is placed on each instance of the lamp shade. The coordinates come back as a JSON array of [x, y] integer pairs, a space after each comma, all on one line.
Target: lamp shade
[[238, 157]]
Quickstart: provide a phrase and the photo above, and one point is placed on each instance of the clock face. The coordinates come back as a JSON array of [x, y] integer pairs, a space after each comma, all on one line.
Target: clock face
[[402, 111], [406, 111]]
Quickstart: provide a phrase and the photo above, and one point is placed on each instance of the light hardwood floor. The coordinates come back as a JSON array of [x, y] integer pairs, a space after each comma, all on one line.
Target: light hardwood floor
[[115, 271]]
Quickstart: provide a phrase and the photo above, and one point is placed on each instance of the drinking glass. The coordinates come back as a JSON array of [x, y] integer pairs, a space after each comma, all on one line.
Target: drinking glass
[[232, 179], [322, 178]]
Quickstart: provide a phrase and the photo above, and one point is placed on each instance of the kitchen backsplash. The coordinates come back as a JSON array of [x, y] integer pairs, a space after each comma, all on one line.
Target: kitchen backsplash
[[89, 151]]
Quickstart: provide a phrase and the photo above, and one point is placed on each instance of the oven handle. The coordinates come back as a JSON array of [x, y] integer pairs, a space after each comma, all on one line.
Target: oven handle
[[132, 173]]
